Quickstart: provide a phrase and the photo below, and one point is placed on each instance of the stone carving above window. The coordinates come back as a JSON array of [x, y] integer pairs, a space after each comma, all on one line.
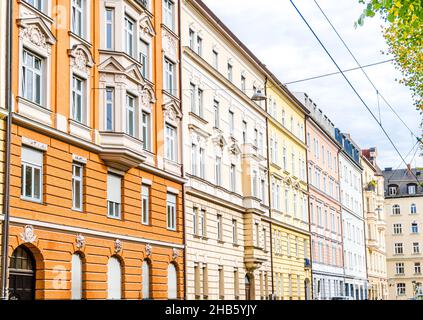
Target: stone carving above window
[[28, 235], [81, 58], [36, 32], [171, 112], [146, 26], [80, 241]]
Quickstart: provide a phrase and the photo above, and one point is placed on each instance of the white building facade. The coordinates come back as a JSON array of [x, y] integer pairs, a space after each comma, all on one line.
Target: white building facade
[[352, 218], [226, 204]]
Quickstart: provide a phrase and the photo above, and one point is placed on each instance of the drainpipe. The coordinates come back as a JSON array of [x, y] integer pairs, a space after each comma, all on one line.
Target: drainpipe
[[6, 203], [181, 141], [268, 186]]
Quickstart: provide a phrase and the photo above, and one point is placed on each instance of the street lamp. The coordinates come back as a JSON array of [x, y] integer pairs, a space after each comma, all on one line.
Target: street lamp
[[258, 96]]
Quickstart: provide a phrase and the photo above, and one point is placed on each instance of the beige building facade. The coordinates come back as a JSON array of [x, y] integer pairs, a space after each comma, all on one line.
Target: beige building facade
[[403, 210], [375, 226], [227, 222]]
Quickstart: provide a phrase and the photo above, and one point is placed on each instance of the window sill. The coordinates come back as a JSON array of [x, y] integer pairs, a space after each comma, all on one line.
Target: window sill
[[198, 117], [169, 229], [114, 218], [77, 210], [83, 40], [31, 200]]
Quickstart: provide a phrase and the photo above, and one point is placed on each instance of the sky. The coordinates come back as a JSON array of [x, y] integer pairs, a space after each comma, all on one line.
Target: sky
[[276, 34]]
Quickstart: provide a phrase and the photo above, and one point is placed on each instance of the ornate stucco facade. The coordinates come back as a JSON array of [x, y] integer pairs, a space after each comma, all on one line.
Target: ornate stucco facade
[[375, 224], [403, 213], [96, 180], [289, 194], [325, 207], [225, 159]]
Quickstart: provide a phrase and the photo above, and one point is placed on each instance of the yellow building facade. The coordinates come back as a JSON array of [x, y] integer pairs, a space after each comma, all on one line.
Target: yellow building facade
[[289, 194]]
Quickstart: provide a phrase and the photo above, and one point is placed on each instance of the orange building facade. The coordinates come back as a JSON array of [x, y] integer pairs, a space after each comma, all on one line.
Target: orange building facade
[[96, 197]]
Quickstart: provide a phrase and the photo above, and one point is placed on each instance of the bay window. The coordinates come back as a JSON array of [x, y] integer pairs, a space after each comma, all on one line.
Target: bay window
[[146, 130], [109, 110], [130, 115]]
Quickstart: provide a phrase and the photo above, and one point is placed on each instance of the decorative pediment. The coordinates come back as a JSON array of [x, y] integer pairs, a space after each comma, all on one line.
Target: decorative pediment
[[36, 32], [147, 96], [171, 111], [81, 57], [219, 140], [134, 72], [198, 131], [147, 26], [234, 149], [111, 65], [288, 181]]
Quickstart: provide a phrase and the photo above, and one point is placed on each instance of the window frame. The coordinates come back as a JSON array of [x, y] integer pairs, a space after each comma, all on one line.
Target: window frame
[[80, 179]]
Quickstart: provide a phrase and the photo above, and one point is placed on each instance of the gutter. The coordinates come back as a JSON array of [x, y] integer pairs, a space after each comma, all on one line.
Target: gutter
[[6, 203]]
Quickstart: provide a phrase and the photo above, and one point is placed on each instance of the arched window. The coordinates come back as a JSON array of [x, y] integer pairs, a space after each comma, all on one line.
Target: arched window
[[22, 275], [76, 277], [145, 280], [172, 291], [413, 209], [396, 209], [114, 279]]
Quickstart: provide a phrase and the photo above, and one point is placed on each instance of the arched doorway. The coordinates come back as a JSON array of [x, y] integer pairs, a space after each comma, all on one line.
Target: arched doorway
[[248, 289], [22, 275]]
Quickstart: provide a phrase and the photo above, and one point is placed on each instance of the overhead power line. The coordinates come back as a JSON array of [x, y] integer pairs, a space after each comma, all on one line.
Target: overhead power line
[[351, 85], [335, 73], [364, 71]]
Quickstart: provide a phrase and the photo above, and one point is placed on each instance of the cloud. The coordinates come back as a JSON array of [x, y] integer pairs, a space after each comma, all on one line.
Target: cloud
[[276, 34]]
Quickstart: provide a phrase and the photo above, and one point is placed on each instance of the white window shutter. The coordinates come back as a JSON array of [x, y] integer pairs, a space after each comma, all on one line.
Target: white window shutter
[[114, 185], [76, 277], [114, 279], [171, 282]]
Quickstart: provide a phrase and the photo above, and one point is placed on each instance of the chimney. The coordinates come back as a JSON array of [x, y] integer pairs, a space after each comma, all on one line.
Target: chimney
[[409, 168]]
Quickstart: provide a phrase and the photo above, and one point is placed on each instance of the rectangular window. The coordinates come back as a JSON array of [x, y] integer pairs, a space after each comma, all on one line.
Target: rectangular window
[[202, 223], [199, 46], [416, 247], [197, 281], [205, 282], [219, 228], [195, 221], [400, 289], [130, 115], [168, 14], [231, 123], [244, 131], [399, 268], [417, 268], [170, 86], [145, 59], [191, 39], [397, 228], [109, 112], [221, 283], [414, 227], [77, 185], [78, 17], [236, 284], [145, 198], [38, 4], [110, 28], [243, 84], [129, 36], [192, 97], [171, 143], [114, 196], [32, 172], [230, 72], [202, 163], [146, 130], [398, 248], [171, 211], [194, 159], [218, 171], [257, 226], [233, 178], [215, 59], [216, 114], [234, 232], [32, 75]]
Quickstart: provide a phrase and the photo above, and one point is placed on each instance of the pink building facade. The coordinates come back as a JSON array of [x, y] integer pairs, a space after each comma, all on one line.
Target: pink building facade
[[325, 208]]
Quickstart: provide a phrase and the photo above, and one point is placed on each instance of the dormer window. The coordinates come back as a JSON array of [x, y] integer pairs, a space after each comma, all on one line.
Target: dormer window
[[393, 190], [411, 188]]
